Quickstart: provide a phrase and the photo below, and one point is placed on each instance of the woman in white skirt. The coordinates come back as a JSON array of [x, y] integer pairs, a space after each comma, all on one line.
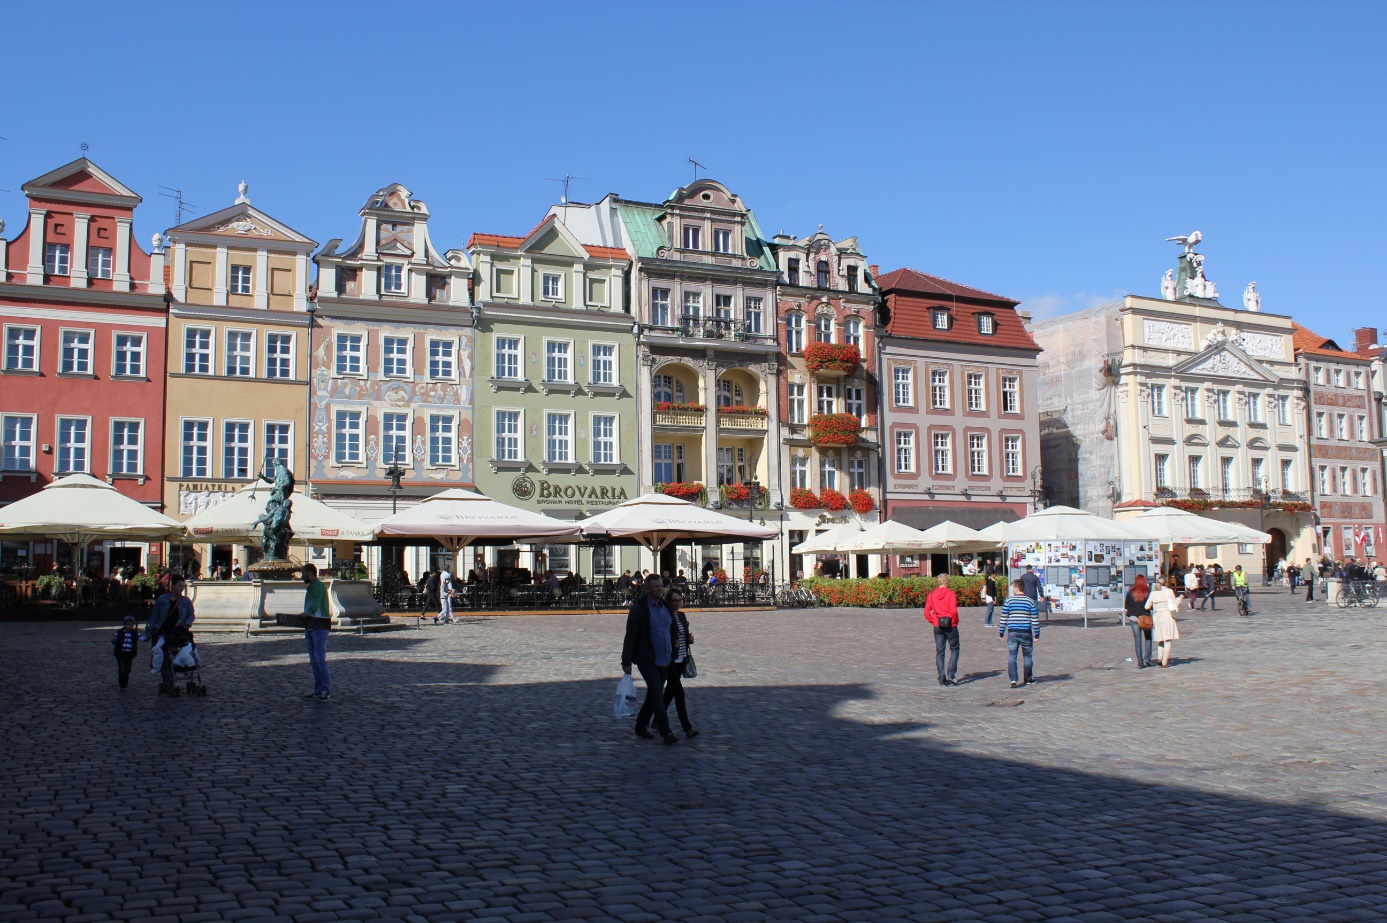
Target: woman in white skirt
[[1163, 604]]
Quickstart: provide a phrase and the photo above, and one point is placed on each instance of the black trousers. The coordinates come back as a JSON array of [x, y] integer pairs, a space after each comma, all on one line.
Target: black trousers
[[123, 663], [654, 704], [674, 691]]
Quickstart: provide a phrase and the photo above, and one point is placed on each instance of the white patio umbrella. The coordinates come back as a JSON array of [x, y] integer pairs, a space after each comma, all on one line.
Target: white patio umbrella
[[1246, 534], [889, 537], [458, 518], [1060, 524], [658, 520], [828, 542], [1170, 526], [313, 522]]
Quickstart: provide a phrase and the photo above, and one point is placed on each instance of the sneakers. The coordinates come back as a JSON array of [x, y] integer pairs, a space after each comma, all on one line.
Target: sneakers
[[1015, 684], [1030, 681], [320, 696]]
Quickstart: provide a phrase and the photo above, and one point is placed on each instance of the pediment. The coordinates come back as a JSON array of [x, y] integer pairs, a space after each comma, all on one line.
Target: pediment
[[80, 180], [1257, 442], [242, 222], [1196, 439], [1228, 442], [1226, 361], [550, 236]]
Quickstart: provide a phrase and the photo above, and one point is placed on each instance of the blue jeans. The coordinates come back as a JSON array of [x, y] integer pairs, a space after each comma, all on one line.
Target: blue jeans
[[1142, 636], [941, 639], [987, 619], [654, 705], [1025, 642], [317, 657]]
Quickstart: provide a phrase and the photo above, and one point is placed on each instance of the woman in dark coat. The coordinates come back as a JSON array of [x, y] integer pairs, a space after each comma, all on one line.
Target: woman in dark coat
[[1135, 604], [674, 686]]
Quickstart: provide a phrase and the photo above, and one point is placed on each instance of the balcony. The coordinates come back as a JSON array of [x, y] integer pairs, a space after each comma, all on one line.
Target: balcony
[[1197, 499], [721, 328], [731, 420], [681, 417]]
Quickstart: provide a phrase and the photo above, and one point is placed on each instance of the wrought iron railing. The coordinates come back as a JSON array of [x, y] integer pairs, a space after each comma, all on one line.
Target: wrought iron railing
[[482, 597], [721, 328], [1240, 496]]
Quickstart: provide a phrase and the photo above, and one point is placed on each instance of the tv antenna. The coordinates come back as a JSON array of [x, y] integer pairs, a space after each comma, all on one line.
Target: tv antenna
[[177, 196], [697, 166], [567, 181]]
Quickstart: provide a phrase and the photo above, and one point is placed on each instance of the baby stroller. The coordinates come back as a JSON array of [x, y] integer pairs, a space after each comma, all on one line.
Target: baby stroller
[[181, 660]]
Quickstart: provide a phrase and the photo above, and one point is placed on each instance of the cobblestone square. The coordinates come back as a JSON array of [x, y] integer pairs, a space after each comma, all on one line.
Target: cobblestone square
[[474, 772]]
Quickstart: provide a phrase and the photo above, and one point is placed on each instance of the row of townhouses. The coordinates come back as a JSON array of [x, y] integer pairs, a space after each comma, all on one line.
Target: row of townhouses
[[626, 346]]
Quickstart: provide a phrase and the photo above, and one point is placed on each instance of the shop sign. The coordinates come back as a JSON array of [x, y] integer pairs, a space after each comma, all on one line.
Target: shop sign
[[545, 491]]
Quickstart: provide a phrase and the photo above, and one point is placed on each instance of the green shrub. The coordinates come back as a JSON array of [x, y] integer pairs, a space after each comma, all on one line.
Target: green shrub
[[144, 585], [892, 593], [51, 585]]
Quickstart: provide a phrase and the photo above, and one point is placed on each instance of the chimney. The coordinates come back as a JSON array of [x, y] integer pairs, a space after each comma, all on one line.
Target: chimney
[[875, 269], [1365, 340]]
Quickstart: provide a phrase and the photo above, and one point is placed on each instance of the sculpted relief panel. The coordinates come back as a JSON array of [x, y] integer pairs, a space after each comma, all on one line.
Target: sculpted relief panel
[[1264, 345], [1226, 365], [1167, 334]]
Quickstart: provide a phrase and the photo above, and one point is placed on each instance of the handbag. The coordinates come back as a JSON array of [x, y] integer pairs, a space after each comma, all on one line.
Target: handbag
[[1145, 622], [690, 668], [946, 623]]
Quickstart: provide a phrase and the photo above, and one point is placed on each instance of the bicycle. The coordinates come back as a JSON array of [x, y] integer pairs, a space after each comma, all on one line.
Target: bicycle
[[1244, 597], [1356, 593]]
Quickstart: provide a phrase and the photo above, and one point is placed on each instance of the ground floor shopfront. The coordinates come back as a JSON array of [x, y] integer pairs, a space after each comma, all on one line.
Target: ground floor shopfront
[[921, 513]]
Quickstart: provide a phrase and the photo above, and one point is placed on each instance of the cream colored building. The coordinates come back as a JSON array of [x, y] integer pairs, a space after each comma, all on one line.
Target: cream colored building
[[1180, 402], [237, 361]]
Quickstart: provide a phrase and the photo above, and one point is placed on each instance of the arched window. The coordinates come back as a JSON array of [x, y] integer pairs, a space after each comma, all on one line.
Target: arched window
[[729, 393], [821, 274], [823, 328], [668, 388]]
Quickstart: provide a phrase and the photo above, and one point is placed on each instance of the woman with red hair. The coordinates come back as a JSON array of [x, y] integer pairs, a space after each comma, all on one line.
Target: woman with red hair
[[1135, 605]]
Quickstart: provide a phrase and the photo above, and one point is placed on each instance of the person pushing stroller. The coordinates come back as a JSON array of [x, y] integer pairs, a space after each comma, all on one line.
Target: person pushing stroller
[[171, 621]]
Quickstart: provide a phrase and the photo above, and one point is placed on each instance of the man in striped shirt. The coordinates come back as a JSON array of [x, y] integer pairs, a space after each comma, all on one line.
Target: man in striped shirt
[[1020, 625]]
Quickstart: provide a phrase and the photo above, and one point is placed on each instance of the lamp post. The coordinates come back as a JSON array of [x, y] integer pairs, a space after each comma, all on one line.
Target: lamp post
[[394, 472], [308, 405], [1035, 488]]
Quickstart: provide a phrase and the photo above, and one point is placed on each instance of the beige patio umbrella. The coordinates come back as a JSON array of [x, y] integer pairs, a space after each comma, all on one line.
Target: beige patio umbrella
[[1170, 526], [458, 518], [828, 542], [657, 520], [1060, 524], [313, 522]]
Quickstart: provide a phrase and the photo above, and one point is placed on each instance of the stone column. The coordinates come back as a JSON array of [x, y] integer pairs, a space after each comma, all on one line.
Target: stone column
[[219, 283], [80, 225], [38, 222], [122, 267]]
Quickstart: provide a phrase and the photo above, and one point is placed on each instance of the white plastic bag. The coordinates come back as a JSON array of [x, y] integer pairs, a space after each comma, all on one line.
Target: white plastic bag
[[186, 657], [627, 703], [156, 656]]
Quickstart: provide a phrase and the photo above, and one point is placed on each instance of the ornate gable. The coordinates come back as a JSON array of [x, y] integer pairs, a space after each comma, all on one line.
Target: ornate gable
[[1225, 360]]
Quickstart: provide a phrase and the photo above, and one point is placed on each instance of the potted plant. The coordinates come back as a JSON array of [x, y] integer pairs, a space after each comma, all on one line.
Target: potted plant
[[802, 499], [833, 500], [832, 357], [862, 501], [51, 585]]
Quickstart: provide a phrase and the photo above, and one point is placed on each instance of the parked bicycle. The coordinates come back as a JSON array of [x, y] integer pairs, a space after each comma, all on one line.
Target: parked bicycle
[[1356, 593], [790, 596]]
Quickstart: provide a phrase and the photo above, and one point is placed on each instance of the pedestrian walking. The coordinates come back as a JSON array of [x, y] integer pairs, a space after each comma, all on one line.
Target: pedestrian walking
[[1192, 585], [1020, 625], [171, 622], [1135, 605], [1310, 574], [683, 656], [430, 594], [315, 604], [941, 611], [1030, 584], [1206, 587], [445, 597], [650, 644], [989, 595], [125, 645], [1163, 604]]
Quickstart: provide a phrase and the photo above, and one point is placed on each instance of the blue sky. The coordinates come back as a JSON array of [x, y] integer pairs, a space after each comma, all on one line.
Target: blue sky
[[1040, 150]]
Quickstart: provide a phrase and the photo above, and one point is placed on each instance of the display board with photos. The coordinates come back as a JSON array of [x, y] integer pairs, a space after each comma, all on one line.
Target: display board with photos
[[1085, 575]]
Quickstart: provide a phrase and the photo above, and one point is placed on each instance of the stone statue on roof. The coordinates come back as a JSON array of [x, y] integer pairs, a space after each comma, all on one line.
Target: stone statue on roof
[[1252, 299], [1168, 285]]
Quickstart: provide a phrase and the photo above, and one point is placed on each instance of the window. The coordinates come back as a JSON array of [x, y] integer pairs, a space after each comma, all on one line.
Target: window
[[508, 358], [1158, 407], [852, 332], [442, 365], [1340, 426], [603, 561], [552, 286], [603, 364], [99, 264], [905, 451], [1259, 474], [668, 388], [1286, 465], [1361, 427], [1011, 455], [508, 435], [1358, 380], [77, 352], [1011, 394], [279, 355], [197, 350], [821, 274], [943, 453], [1222, 409], [442, 440], [1368, 478], [1319, 375], [826, 399], [977, 392], [722, 307], [558, 437], [1196, 466], [798, 410], [1254, 407], [604, 439], [394, 438], [240, 280], [349, 353], [197, 448], [1338, 378], [1323, 472], [977, 453], [57, 259], [1162, 472], [856, 399], [903, 390], [857, 474], [828, 471], [792, 272], [693, 237], [799, 472], [74, 444], [394, 357], [941, 319], [392, 279], [754, 322], [729, 393], [556, 367], [279, 443], [1345, 483], [18, 437], [823, 328], [794, 333], [987, 324], [126, 446], [1283, 409], [21, 349], [939, 388], [852, 278], [1225, 472], [669, 463], [236, 449], [240, 361], [659, 307], [722, 240], [346, 449], [693, 305], [1192, 408]]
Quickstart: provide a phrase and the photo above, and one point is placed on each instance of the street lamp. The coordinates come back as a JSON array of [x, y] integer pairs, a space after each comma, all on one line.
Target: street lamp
[[394, 472], [1035, 488]]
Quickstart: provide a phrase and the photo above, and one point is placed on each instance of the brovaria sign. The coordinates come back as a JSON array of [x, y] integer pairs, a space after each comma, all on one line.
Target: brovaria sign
[[544, 491]]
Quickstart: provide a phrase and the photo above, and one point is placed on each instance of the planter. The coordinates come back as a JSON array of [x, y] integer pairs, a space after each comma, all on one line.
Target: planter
[[833, 500], [862, 501], [832, 358], [684, 490], [834, 429], [802, 499]]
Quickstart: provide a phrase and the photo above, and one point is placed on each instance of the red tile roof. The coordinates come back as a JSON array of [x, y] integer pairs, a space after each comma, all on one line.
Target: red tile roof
[[1305, 340], [911, 296], [506, 242]]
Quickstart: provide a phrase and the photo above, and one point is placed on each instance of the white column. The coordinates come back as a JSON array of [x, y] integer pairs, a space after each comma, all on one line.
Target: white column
[[327, 282], [645, 419], [618, 290], [580, 286], [771, 388], [301, 282], [421, 236], [483, 268], [370, 283], [527, 282], [180, 271], [710, 438], [38, 222], [369, 253], [122, 267], [156, 271], [262, 278], [78, 277], [219, 283], [4, 258]]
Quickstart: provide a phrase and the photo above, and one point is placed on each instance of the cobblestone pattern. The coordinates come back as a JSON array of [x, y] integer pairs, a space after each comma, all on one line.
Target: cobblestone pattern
[[473, 772]]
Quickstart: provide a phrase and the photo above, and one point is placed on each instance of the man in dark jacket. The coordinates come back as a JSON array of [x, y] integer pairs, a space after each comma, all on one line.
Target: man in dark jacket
[[651, 637]]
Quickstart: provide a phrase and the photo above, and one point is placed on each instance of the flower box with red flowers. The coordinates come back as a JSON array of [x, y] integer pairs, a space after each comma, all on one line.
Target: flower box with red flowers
[[737, 410], [834, 429], [667, 406], [736, 493], [802, 499], [683, 490], [832, 357], [862, 501], [833, 500]]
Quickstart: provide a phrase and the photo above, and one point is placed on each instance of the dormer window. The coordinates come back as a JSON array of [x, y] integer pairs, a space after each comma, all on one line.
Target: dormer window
[[392, 279], [693, 237], [792, 272], [821, 274], [552, 286], [722, 240], [987, 324], [852, 278], [941, 319]]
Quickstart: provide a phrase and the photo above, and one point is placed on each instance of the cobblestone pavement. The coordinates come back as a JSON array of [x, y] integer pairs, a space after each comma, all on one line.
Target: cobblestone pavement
[[473, 772]]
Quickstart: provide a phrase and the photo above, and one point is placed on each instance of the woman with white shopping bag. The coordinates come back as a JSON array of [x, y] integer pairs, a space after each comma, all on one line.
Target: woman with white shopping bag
[[1163, 604]]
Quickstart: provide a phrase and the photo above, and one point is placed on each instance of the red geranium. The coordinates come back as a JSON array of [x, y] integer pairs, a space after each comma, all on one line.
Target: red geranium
[[743, 411], [834, 357], [861, 501], [835, 429], [832, 500], [737, 492], [666, 406], [684, 490], [802, 499]]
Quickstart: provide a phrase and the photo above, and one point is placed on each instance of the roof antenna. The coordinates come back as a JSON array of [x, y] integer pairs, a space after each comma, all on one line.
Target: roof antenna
[[177, 196], [567, 181], [697, 166]]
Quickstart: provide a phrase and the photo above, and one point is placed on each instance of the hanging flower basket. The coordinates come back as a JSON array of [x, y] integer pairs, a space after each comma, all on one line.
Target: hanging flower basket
[[684, 490], [861, 501], [834, 429], [802, 499], [832, 357], [833, 500]]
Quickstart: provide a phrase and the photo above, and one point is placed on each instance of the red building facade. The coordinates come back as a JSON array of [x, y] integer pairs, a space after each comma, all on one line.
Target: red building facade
[[83, 319]]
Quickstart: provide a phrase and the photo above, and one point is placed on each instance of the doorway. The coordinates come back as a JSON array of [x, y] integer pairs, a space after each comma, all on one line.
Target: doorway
[[1276, 550]]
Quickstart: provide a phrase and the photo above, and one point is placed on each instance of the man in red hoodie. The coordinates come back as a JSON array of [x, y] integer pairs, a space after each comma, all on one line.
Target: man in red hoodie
[[941, 611]]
